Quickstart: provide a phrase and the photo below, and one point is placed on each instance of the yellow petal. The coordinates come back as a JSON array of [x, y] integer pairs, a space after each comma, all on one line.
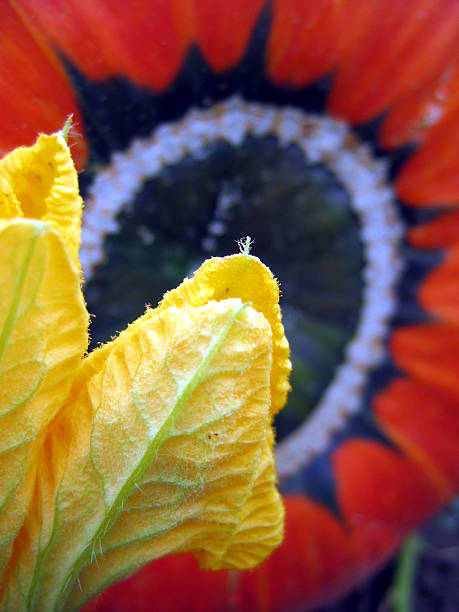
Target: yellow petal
[[40, 182], [43, 323], [260, 528], [164, 445], [9, 204], [247, 278]]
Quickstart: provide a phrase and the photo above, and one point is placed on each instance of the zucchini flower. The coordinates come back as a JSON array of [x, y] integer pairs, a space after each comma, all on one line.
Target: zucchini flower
[[158, 442]]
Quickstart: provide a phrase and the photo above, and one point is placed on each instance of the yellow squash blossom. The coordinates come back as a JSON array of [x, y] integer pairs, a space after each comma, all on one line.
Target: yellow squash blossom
[[157, 442]]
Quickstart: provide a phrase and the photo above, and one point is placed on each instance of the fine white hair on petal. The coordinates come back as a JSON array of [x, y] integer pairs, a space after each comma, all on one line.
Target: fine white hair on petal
[[322, 140]]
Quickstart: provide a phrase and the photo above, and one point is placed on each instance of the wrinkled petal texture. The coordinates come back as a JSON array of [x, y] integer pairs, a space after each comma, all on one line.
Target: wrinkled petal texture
[[248, 279], [163, 452], [160, 441], [40, 182], [44, 334]]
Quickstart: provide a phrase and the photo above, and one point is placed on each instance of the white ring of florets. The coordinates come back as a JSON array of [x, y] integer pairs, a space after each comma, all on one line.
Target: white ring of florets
[[322, 140]]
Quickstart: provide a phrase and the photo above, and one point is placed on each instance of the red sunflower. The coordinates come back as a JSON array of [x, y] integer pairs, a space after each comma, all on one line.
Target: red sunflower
[[380, 453]]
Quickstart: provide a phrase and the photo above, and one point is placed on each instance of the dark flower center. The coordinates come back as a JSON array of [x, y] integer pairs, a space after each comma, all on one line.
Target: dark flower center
[[312, 198], [304, 230]]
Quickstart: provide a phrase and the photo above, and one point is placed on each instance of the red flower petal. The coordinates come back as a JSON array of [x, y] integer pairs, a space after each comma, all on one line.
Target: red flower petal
[[382, 495], [36, 95], [437, 234], [173, 583], [439, 292], [387, 52], [224, 29], [416, 111], [431, 176], [429, 352], [310, 562], [145, 41], [313, 563], [399, 49], [409, 412], [304, 39]]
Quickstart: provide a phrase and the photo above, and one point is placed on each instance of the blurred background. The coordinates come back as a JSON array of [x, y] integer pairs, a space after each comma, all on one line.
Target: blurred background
[[327, 132]]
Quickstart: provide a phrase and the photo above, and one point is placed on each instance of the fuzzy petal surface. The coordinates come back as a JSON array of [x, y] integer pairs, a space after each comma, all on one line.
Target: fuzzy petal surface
[[40, 182], [43, 323], [165, 445]]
